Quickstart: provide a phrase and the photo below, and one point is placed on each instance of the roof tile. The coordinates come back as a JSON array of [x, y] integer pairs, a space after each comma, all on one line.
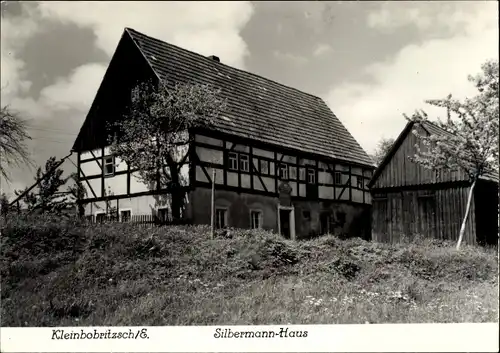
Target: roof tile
[[258, 108]]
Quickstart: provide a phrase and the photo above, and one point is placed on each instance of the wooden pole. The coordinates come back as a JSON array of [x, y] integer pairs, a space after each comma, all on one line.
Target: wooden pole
[[212, 228], [40, 180]]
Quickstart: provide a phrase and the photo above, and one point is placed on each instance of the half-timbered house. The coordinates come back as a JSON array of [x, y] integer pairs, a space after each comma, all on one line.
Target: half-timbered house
[[409, 200], [283, 160]]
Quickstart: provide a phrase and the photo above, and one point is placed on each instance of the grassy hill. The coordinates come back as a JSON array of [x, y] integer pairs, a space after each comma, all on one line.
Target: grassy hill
[[61, 273]]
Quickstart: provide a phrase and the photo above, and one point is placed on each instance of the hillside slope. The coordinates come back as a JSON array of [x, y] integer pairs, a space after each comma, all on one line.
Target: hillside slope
[[61, 273]]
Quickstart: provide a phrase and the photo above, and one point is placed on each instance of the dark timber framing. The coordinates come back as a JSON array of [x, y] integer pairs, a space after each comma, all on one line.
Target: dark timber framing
[[256, 175]]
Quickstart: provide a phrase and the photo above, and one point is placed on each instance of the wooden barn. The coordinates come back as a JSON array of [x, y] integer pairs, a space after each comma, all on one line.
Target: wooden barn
[[408, 199], [283, 160]]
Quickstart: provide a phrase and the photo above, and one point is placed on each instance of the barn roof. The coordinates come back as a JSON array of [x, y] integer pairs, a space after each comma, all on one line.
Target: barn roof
[[432, 129], [258, 108]]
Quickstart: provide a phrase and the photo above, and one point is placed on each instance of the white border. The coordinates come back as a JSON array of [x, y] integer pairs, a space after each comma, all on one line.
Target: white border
[[319, 338]]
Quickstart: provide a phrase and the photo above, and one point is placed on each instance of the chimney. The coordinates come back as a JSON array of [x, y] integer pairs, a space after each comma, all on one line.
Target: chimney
[[214, 58]]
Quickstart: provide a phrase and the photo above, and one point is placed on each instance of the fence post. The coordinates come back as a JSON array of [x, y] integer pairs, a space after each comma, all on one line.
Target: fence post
[[212, 228]]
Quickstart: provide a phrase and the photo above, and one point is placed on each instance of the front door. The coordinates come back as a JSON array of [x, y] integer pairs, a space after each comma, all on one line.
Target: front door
[[285, 223]]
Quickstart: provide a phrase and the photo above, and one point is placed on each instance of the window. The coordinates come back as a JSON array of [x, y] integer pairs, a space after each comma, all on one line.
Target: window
[[162, 214], [311, 176], [338, 178], [125, 215], [293, 172], [244, 164], [302, 174], [256, 219], [220, 218], [233, 161], [283, 171], [264, 166], [100, 217], [89, 218], [109, 165], [359, 182]]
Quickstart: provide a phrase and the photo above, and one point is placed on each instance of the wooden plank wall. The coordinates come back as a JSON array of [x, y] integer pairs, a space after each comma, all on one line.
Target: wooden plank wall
[[431, 213], [400, 171]]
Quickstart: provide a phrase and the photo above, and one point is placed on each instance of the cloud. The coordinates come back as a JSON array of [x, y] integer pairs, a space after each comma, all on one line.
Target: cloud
[[431, 69], [428, 16], [207, 28], [14, 31], [204, 27], [322, 49], [76, 91], [290, 58]]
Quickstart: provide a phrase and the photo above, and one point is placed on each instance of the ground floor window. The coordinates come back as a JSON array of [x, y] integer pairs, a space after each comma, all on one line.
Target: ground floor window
[[256, 219], [125, 215], [220, 218], [100, 217], [162, 214]]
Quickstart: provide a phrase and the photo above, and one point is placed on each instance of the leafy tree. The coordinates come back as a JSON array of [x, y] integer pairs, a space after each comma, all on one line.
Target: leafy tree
[[471, 143], [49, 198], [383, 147], [153, 136], [13, 136]]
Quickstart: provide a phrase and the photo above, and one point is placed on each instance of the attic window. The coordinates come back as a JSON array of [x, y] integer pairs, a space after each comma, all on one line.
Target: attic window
[[311, 176], [338, 178], [233, 161], [109, 165], [283, 171], [359, 182], [153, 57], [244, 164]]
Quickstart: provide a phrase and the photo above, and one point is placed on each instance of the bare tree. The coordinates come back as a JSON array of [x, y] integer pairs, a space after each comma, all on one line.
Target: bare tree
[[472, 140], [13, 136], [153, 136]]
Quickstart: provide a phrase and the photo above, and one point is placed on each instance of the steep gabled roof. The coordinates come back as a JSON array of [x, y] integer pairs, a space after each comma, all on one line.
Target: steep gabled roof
[[431, 129], [258, 108]]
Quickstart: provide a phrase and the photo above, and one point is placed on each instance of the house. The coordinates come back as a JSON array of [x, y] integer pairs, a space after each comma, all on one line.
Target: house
[[283, 160], [409, 199]]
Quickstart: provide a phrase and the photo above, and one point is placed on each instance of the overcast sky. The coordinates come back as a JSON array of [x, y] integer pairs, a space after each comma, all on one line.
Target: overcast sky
[[370, 61]]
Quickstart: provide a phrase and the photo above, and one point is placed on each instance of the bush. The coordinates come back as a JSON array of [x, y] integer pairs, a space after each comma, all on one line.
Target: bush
[[63, 272]]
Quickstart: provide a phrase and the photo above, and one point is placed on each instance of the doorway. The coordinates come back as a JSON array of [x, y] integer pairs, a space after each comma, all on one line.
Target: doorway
[[285, 223]]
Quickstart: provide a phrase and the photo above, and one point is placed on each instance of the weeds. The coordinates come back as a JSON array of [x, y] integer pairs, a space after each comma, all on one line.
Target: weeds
[[60, 272]]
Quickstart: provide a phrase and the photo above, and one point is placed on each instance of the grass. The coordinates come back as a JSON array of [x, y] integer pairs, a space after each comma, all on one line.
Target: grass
[[62, 273]]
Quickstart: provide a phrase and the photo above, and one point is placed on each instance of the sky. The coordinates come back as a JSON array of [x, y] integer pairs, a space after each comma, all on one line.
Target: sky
[[370, 61]]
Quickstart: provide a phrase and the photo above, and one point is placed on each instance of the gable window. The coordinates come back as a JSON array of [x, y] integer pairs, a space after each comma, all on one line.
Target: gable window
[[311, 176], [109, 165], [100, 217], [256, 219], [244, 163], [125, 215], [220, 218], [162, 214], [264, 166], [338, 178], [283, 171], [233, 161], [359, 182]]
